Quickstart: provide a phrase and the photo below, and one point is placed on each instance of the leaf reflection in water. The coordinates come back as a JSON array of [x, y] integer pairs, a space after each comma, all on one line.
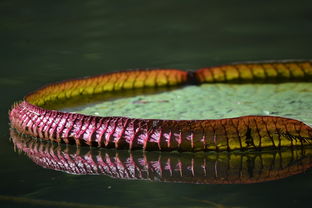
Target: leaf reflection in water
[[197, 168]]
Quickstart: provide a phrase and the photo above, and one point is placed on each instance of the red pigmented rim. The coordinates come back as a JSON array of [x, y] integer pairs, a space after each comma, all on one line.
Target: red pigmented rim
[[242, 133]]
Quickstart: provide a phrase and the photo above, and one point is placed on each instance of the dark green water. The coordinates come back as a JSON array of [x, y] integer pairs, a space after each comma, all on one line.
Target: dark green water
[[48, 41]]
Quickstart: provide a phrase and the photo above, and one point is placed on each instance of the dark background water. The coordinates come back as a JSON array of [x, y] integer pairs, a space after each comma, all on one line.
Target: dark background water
[[48, 41]]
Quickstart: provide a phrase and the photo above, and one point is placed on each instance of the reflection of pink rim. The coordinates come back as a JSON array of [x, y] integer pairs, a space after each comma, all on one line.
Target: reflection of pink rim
[[221, 168], [248, 132]]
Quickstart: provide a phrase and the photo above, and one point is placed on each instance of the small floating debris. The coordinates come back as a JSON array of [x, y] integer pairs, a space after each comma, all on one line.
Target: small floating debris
[[139, 101]]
